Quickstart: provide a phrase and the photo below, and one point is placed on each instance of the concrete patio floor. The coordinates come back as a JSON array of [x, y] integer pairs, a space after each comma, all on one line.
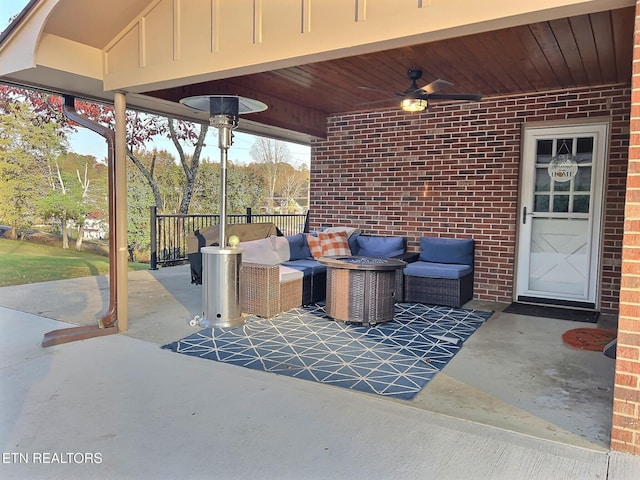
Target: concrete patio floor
[[514, 394]]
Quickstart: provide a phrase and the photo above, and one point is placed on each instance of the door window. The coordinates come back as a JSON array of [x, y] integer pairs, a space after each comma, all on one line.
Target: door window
[[563, 175]]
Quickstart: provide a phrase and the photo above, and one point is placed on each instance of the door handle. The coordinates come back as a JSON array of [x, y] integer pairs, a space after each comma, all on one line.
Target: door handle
[[524, 215]]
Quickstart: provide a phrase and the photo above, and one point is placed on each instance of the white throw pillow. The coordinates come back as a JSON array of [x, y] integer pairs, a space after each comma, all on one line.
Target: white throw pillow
[[259, 251], [281, 247], [348, 230]]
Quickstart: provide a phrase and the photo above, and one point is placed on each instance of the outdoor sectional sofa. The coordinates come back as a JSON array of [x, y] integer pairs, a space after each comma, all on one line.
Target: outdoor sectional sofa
[[280, 273]]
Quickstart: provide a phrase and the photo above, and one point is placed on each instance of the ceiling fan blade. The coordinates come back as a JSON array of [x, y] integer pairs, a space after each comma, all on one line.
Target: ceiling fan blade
[[473, 97], [436, 85]]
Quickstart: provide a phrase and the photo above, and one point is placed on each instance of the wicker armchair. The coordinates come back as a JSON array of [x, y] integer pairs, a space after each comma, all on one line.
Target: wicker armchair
[[266, 290], [443, 274]]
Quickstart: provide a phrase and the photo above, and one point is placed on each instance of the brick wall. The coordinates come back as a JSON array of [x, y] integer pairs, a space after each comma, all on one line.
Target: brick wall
[[454, 170], [625, 433]]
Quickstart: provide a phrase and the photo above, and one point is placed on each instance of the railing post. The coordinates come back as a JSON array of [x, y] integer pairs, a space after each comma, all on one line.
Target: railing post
[[154, 240], [248, 214], [306, 223]]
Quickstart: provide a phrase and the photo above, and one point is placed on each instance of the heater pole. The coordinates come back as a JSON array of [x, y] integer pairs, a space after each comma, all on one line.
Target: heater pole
[[224, 124], [223, 197]]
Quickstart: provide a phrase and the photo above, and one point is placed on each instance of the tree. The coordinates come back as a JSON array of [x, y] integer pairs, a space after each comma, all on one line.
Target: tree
[[139, 199], [292, 185], [270, 156], [143, 128], [244, 189], [163, 176], [84, 184], [63, 202], [206, 193], [15, 193], [91, 176], [191, 167], [27, 146]]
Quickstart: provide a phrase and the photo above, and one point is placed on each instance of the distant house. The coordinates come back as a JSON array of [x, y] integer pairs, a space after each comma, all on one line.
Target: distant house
[[95, 228]]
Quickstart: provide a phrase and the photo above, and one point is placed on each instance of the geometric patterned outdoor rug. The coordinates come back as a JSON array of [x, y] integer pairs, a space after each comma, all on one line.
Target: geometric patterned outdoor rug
[[395, 359]]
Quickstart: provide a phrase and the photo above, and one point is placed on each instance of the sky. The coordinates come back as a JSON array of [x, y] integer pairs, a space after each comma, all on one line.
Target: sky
[[86, 142]]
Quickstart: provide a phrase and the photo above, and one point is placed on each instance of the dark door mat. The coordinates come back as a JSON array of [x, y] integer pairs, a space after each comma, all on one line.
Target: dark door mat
[[590, 316]]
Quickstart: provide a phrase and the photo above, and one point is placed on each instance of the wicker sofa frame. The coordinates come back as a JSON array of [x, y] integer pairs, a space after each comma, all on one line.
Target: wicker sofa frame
[[438, 291], [263, 294]]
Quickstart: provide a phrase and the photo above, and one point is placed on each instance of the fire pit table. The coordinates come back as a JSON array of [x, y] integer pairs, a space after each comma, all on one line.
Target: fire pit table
[[361, 289]]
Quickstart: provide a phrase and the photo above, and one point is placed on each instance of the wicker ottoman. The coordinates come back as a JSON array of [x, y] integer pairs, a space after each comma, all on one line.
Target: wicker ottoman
[[265, 293], [361, 289]]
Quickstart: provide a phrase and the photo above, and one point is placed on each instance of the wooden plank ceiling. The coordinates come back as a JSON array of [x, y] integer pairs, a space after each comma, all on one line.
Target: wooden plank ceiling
[[586, 50]]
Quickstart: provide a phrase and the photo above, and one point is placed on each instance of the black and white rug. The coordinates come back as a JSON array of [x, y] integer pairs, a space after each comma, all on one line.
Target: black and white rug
[[395, 359]]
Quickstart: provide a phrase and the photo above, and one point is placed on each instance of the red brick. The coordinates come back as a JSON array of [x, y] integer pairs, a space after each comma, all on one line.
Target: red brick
[[622, 435], [631, 311], [626, 380], [627, 394], [624, 408]]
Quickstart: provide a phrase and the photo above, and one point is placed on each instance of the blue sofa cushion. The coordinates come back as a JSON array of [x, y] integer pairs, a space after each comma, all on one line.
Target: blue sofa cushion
[[381, 247], [298, 247], [353, 243], [437, 270], [308, 266], [447, 250]]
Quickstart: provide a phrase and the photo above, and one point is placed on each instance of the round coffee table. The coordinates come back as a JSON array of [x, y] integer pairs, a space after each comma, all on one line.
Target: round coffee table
[[361, 289]]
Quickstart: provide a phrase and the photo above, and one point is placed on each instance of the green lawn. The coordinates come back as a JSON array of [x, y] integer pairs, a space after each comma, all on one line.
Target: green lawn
[[24, 262]]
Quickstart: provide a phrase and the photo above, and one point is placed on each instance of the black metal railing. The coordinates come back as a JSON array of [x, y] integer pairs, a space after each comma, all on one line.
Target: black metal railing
[[168, 232]]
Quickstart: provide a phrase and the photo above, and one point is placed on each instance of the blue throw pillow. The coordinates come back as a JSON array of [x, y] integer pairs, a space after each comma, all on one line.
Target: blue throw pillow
[[383, 247], [447, 250], [298, 247]]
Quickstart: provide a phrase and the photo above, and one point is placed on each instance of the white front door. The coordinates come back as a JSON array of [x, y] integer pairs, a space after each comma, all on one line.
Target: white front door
[[561, 199]]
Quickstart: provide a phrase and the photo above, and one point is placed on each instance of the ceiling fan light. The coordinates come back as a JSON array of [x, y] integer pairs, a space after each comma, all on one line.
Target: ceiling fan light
[[413, 104]]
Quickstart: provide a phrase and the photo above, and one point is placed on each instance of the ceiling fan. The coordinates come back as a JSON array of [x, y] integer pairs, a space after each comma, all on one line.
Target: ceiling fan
[[416, 99]]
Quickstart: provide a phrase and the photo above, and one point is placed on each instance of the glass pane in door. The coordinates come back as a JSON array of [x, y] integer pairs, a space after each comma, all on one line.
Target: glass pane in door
[[569, 193]]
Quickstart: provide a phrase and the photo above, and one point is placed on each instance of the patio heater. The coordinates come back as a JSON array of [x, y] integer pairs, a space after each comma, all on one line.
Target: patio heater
[[221, 265]]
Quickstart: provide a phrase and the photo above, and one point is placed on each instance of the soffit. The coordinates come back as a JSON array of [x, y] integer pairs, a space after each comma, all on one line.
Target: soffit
[[93, 22]]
